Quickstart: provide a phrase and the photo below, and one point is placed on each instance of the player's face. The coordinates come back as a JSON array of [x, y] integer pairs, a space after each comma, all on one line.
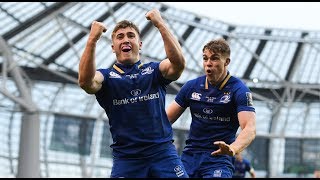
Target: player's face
[[214, 64], [126, 44]]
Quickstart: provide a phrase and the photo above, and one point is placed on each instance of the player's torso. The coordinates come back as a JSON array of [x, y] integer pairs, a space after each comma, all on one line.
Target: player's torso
[[132, 85], [211, 104], [213, 114]]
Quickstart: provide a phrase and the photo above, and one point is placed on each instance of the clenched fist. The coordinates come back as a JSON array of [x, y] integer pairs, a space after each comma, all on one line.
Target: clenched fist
[[97, 28], [155, 17]]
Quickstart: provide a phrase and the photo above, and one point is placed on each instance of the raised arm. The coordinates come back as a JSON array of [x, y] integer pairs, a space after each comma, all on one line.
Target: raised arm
[[89, 79], [172, 67]]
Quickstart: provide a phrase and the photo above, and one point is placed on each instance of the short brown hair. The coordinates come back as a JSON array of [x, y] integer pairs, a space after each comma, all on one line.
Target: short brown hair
[[218, 46], [124, 24]]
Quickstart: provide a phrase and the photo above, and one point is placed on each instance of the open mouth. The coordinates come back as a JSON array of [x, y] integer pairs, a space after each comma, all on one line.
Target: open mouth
[[126, 49]]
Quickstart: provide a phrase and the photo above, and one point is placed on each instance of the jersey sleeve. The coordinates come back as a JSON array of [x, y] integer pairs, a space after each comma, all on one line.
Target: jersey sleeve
[[104, 72], [243, 99], [162, 80], [182, 96]]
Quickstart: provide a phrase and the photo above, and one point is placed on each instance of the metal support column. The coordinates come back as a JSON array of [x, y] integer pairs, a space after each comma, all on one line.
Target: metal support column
[[29, 155]]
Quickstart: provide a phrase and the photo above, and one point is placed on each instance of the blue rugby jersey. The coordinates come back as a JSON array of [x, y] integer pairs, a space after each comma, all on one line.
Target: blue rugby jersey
[[213, 110], [133, 97]]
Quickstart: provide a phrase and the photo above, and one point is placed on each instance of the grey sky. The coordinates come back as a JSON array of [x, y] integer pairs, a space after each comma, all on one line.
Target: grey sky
[[292, 15]]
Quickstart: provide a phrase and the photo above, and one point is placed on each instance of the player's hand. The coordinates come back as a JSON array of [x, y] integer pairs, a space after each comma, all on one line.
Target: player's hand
[[223, 149], [97, 28], [155, 17]]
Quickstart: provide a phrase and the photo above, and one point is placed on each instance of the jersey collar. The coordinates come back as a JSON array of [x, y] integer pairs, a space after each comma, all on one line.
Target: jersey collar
[[225, 80], [118, 66]]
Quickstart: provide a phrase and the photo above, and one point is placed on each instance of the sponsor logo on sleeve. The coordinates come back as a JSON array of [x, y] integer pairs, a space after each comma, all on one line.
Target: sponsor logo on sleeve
[[249, 99]]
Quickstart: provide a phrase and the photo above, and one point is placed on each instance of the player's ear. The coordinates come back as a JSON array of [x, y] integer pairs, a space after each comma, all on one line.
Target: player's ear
[[112, 46], [140, 45], [227, 61]]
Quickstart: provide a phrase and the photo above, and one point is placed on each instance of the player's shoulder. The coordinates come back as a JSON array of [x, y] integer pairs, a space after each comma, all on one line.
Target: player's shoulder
[[236, 80], [150, 63], [237, 83], [104, 70], [196, 82]]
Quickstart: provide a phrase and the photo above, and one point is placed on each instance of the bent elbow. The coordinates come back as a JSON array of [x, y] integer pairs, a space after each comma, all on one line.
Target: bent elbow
[[82, 84], [85, 87], [180, 68], [183, 63]]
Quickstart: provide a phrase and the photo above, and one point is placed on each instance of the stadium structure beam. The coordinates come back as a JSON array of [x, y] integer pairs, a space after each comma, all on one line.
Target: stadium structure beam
[[29, 152]]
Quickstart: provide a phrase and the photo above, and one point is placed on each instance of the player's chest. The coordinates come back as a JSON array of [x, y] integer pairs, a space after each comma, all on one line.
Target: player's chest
[[210, 97]]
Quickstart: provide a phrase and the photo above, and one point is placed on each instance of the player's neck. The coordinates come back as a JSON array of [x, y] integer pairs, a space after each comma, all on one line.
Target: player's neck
[[214, 82]]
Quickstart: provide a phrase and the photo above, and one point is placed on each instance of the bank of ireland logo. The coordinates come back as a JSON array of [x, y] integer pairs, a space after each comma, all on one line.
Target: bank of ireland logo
[[207, 111], [179, 171], [135, 92]]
